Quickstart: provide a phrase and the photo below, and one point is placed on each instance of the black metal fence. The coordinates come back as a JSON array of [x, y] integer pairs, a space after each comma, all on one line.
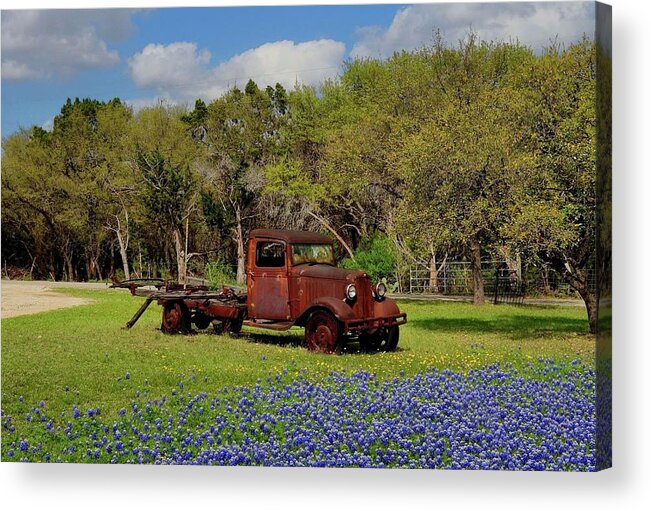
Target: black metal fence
[[508, 289]]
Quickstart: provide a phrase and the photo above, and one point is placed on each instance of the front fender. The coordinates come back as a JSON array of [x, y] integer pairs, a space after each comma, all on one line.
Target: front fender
[[340, 309], [385, 308]]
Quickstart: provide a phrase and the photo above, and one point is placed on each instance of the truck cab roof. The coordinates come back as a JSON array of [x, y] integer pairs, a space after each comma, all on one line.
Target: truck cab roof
[[290, 236]]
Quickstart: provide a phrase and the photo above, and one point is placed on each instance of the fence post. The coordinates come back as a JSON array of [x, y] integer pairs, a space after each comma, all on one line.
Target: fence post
[[497, 281]]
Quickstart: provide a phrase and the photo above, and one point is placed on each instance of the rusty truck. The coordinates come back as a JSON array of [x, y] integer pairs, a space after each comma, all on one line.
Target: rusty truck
[[291, 280]]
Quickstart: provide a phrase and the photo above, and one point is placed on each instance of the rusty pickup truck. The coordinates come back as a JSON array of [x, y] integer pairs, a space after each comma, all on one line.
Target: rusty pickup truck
[[291, 280]]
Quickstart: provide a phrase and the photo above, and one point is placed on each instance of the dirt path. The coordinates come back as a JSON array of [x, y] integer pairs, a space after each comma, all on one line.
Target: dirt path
[[29, 297]]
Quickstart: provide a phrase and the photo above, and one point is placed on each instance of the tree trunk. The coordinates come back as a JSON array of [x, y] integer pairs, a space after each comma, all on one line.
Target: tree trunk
[[112, 260], [514, 262], [477, 279], [239, 240], [89, 268], [123, 254], [180, 256], [98, 270], [590, 305], [140, 260], [435, 270], [433, 274], [68, 267], [70, 271], [579, 282], [547, 291]]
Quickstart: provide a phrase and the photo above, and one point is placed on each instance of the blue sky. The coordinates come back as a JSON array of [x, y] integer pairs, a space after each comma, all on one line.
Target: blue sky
[[183, 53]]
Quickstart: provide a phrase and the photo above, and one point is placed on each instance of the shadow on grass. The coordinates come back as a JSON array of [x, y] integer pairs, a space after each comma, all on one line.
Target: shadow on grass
[[515, 326], [352, 347], [275, 340]]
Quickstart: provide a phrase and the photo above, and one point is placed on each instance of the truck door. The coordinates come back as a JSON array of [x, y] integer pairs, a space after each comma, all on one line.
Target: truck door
[[267, 283]]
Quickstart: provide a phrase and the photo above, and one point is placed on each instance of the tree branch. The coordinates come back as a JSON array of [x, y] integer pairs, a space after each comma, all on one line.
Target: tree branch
[[336, 235]]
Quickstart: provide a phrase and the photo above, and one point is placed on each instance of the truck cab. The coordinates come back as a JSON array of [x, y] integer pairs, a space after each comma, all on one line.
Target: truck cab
[[292, 279]]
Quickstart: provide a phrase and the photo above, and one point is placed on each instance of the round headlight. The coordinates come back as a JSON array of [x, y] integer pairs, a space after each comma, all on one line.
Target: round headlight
[[351, 292], [380, 290]]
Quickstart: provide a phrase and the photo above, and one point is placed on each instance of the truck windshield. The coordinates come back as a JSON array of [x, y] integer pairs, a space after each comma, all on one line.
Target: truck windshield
[[305, 253]]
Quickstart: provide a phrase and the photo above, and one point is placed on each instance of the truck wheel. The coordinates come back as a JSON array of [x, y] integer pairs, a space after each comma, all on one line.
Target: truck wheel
[[232, 326], [201, 321], [322, 333], [370, 342], [176, 318], [383, 340], [392, 339]]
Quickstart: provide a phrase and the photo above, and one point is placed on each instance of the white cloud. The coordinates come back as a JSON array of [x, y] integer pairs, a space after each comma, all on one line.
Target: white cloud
[[164, 67], [533, 23], [44, 43], [12, 70], [181, 70]]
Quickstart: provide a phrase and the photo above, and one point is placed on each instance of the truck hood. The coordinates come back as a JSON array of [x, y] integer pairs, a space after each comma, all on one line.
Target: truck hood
[[325, 271]]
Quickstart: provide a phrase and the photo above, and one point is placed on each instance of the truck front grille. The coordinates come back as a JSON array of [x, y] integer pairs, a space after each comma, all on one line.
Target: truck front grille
[[363, 306]]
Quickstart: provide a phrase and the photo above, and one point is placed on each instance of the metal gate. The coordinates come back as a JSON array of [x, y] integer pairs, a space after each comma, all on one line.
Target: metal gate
[[508, 288]]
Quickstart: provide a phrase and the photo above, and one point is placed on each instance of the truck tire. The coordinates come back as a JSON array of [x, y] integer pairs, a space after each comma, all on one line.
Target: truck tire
[[392, 339], [369, 343], [228, 326], [176, 318], [201, 321], [323, 333], [383, 340], [232, 326]]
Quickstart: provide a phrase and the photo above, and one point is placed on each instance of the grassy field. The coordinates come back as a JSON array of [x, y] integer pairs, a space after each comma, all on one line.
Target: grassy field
[[85, 350]]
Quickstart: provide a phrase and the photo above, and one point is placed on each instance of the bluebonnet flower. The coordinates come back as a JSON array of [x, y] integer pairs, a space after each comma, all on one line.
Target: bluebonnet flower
[[490, 418]]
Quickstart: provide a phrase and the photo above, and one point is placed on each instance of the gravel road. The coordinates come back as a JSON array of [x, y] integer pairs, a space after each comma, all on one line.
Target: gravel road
[[20, 297]]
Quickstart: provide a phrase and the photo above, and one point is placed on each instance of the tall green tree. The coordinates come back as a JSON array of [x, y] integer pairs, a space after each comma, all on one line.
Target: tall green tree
[[166, 155], [60, 178], [242, 137], [556, 221], [117, 177], [460, 163]]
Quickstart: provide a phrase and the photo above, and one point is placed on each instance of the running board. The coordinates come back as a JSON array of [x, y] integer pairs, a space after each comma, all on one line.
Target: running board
[[276, 325]]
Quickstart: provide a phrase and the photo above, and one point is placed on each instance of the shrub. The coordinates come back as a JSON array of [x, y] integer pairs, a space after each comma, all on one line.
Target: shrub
[[218, 273], [376, 256]]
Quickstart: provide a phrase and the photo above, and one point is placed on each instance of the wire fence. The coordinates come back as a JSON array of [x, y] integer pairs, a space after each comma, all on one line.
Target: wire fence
[[452, 278], [455, 278]]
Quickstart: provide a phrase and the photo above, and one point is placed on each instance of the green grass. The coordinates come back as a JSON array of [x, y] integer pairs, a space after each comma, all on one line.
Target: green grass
[[86, 349]]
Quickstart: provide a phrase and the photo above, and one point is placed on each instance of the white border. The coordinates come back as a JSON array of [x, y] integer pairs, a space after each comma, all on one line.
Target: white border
[[623, 487]]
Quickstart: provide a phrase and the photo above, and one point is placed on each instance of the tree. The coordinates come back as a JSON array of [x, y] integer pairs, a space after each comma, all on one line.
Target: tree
[[164, 154], [460, 163], [556, 221], [60, 178], [117, 176], [242, 136], [169, 197]]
